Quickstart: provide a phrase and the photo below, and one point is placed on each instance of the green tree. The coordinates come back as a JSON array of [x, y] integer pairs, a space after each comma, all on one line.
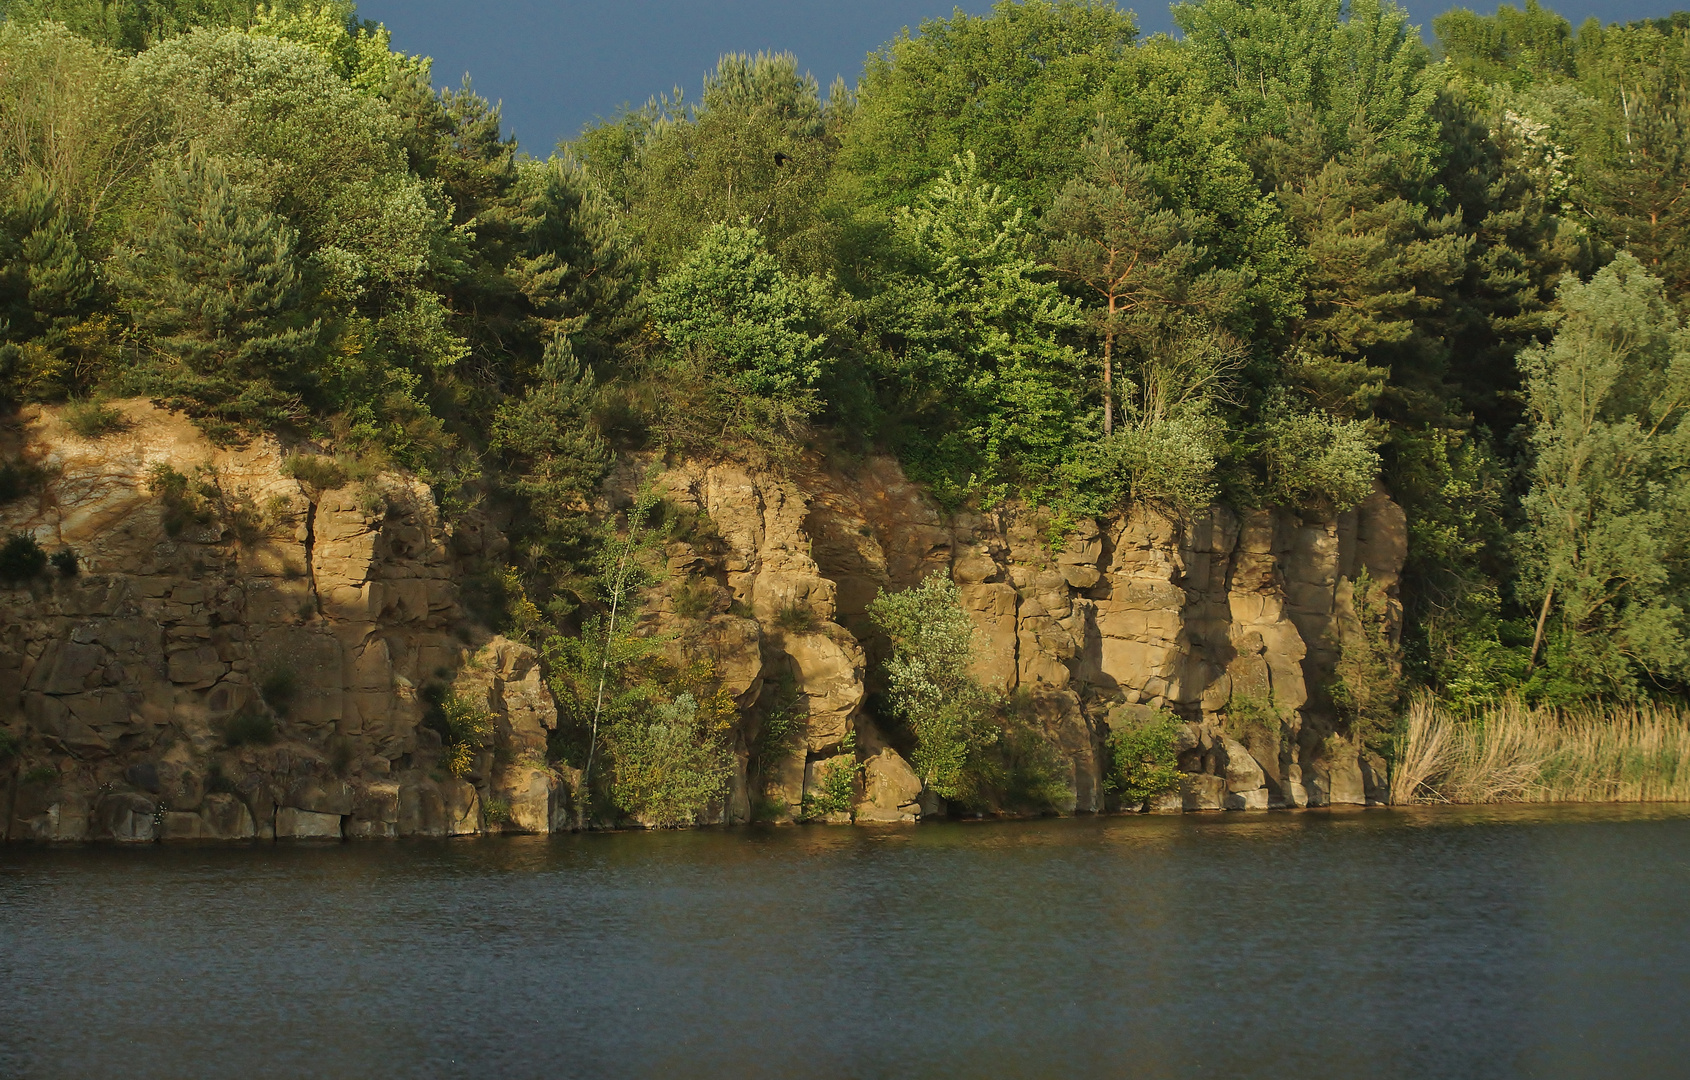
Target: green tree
[[1114, 235], [1608, 512], [755, 152], [1019, 89], [732, 300], [217, 287], [135, 25], [930, 686], [1516, 46], [1317, 68], [1141, 760], [987, 388], [1634, 144], [47, 287]]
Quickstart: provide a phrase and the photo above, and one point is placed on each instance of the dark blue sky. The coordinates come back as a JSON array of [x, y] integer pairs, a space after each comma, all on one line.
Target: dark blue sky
[[556, 65]]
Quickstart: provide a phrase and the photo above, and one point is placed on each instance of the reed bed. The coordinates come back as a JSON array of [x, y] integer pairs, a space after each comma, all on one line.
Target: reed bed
[[1507, 752]]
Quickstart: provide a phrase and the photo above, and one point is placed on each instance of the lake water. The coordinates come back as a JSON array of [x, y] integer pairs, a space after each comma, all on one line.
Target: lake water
[[1547, 942]]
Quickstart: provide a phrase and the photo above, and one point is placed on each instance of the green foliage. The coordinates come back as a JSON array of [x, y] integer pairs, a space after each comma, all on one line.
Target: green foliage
[[989, 392], [317, 473], [21, 558], [796, 618], [1314, 458], [1141, 760], [755, 152], [184, 501], [694, 599], [467, 728], [40, 774], [17, 479], [1608, 512], [65, 562], [1026, 771], [837, 791], [670, 763], [496, 811], [930, 687], [279, 688], [1367, 680], [1019, 88], [731, 300], [217, 287], [1514, 47], [249, 727], [94, 419], [8, 745]]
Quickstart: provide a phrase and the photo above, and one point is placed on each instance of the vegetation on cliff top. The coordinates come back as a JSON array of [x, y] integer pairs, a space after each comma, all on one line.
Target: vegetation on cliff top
[[1039, 257]]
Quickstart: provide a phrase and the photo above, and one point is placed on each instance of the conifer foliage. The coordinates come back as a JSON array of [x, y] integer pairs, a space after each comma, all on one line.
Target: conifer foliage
[[219, 290]]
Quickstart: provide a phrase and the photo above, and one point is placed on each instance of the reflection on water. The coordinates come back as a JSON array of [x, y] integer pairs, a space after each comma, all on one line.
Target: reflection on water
[[1540, 942]]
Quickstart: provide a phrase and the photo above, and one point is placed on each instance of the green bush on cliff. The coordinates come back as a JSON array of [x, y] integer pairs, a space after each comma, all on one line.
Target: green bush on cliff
[[929, 685], [1141, 761], [21, 558], [669, 764]]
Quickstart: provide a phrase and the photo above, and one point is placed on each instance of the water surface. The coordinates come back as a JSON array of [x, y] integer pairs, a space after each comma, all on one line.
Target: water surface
[[1546, 942]]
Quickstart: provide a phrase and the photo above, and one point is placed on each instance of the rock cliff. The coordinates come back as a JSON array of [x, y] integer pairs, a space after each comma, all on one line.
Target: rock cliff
[[253, 657]]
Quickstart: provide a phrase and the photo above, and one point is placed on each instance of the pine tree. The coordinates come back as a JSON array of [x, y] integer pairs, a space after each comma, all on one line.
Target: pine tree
[[1115, 237], [217, 288], [47, 288]]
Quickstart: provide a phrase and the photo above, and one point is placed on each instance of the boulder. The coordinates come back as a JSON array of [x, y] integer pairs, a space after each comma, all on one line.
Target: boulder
[[891, 790], [527, 791], [375, 811], [126, 818], [462, 805], [224, 817], [1200, 791], [295, 824], [1243, 773], [422, 810]]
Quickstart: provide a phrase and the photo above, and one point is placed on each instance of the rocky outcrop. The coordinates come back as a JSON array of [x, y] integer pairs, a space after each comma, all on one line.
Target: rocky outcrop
[[248, 658], [1231, 622], [267, 660]]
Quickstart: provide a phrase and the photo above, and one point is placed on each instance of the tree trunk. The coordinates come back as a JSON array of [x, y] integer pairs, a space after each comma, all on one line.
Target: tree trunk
[[1109, 371], [1542, 618]]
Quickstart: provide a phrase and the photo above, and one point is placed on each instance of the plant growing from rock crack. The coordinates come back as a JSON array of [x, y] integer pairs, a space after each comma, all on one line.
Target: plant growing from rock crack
[[279, 686], [796, 617], [185, 501], [837, 792], [65, 562], [94, 419], [249, 727], [21, 558], [468, 729]]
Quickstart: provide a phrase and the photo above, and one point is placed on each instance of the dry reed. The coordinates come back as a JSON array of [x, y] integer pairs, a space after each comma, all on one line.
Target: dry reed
[[1508, 752]]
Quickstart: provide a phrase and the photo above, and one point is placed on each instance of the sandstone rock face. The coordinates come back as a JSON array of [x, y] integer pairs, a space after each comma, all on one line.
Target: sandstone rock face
[[136, 691], [325, 614]]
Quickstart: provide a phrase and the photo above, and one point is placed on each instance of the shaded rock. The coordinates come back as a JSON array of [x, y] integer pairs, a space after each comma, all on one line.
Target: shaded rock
[[295, 824], [125, 818], [1200, 791], [224, 817]]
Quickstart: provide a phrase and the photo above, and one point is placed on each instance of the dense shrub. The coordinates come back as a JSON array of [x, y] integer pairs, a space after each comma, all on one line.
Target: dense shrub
[[21, 558], [1142, 764]]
